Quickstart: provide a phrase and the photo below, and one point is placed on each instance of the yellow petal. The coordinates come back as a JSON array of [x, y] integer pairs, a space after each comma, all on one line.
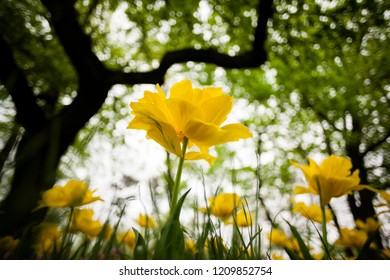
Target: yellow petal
[[207, 135], [151, 111], [197, 156], [182, 112], [182, 90], [335, 166], [301, 190], [217, 108], [165, 135], [202, 95]]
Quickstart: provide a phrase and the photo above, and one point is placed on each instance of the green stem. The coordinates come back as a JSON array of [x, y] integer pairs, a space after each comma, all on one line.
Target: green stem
[[324, 231], [323, 216], [66, 239], [176, 186]]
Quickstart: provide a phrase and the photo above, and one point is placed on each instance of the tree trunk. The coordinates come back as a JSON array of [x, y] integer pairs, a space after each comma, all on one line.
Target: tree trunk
[[35, 170], [363, 208]]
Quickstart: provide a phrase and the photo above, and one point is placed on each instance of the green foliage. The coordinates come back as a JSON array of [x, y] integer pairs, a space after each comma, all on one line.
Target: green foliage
[[171, 242]]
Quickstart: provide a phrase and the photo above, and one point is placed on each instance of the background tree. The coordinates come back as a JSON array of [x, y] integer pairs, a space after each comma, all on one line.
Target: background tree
[[54, 69]]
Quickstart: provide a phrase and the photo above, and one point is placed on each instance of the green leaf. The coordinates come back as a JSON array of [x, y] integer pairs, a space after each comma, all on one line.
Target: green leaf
[[302, 246], [170, 246], [140, 249]]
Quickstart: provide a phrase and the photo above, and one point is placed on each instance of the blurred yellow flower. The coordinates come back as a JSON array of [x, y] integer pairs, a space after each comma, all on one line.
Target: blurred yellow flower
[[83, 222], [369, 226], [333, 178], [215, 244], [47, 237], [108, 230], [145, 221], [352, 238], [279, 238], [190, 246], [127, 238], [223, 205], [244, 218], [312, 212], [8, 244], [192, 113], [73, 194], [276, 257]]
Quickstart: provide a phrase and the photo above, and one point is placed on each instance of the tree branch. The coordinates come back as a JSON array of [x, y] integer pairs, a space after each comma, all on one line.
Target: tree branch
[[254, 58], [375, 145]]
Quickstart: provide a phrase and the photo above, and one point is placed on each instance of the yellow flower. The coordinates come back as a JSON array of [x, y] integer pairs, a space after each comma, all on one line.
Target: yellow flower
[[276, 257], [47, 237], [312, 212], [244, 218], [82, 221], [370, 226], [192, 113], [145, 221], [108, 230], [351, 238], [73, 194], [8, 244], [279, 238], [223, 205], [127, 238], [190, 246], [332, 178]]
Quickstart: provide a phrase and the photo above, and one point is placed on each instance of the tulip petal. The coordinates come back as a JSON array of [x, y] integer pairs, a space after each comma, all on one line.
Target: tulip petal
[[182, 112], [207, 135], [197, 156], [334, 166], [182, 90], [216, 109]]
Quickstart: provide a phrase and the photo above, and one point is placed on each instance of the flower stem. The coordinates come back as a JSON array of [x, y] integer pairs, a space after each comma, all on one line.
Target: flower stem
[[176, 186], [324, 231], [66, 238], [323, 222]]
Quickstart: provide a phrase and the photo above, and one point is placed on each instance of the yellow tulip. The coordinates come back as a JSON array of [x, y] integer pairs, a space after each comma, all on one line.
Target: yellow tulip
[[279, 238], [83, 222], [190, 246], [127, 238], [47, 237], [369, 226], [145, 221], [333, 178], [73, 194], [244, 218], [223, 205], [352, 238], [189, 113], [312, 212]]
